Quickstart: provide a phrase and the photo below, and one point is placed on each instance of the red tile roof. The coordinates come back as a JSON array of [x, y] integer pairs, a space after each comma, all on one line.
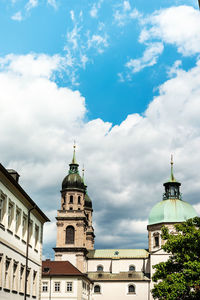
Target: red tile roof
[[50, 268]]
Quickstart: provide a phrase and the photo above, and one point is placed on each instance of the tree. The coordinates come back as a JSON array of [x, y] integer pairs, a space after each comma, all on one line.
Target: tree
[[179, 277]]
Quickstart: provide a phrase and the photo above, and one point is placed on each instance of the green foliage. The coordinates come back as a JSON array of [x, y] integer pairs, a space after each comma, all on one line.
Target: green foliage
[[179, 277]]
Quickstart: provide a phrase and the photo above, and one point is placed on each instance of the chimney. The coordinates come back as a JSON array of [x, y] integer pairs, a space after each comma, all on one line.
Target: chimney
[[14, 174]]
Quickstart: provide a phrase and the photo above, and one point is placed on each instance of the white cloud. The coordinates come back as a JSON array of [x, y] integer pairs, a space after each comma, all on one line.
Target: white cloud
[[32, 65], [149, 58], [99, 42], [31, 4], [17, 16], [123, 13], [52, 3], [166, 26], [125, 164], [95, 8], [178, 26]]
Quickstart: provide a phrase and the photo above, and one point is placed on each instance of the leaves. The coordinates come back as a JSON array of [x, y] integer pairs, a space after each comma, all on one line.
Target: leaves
[[179, 277]]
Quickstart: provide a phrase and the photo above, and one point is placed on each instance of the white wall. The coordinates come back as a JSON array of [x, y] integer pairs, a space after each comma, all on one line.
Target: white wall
[[119, 291]]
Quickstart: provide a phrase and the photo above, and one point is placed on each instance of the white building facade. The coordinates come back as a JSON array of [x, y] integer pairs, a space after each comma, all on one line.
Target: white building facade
[[21, 224]]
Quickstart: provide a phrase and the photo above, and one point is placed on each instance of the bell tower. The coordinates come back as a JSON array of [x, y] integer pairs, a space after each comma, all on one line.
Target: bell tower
[[75, 234]]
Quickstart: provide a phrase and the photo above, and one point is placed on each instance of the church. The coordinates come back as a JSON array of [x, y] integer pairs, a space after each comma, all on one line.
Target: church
[[81, 272]]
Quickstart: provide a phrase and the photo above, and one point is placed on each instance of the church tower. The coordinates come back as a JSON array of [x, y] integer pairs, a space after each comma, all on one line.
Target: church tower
[[171, 210], [75, 234]]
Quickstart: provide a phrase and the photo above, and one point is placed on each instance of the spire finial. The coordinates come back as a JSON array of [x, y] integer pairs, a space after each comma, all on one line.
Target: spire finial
[[172, 171], [83, 173], [74, 154]]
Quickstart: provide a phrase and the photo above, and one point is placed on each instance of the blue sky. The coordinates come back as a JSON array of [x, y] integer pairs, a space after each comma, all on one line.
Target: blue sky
[[120, 77]]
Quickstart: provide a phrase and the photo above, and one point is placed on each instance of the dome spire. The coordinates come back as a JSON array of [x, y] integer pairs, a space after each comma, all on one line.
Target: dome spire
[[74, 154], [73, 167], [172, 187], [172, 178], [83, 174]]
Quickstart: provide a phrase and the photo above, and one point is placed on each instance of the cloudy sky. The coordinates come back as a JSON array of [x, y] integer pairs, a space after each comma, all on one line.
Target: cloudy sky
[[122, 78]]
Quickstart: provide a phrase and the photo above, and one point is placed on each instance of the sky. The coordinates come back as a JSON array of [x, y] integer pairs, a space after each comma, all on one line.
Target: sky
[[121, 78]]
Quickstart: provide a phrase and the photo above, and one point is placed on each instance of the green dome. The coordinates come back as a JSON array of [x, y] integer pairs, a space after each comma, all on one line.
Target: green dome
[[73, 180], [171, 210], [88, 201]]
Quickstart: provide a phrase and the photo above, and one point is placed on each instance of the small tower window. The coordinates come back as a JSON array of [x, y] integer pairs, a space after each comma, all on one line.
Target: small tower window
[[79, 199], [100, 268], [71, 199], [70, 235], [97, 289], [71, 208], [131, 268], [131, 289], [156, 239]]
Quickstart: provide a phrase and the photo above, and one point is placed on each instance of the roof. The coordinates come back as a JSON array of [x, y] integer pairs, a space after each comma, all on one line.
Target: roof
[[122, 276], [171, 210], [59, 268], [118, 253], [21, 190]]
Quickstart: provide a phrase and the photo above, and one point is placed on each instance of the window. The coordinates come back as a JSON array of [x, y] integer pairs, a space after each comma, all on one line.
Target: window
[[22, 278], [17, 219], [131, 289], [71, 199], [100, 268], [70, 235], [132, 268], [69, 286], [24, 226], [2, 205], [7, 273], [30, 230], [1, 265], [36, 235], [156, 241], [34, 283], [10, 213], [57, 287], [79, 199], [71, 208], [15, 279], [97, 289], [44, 286], [28, 280]]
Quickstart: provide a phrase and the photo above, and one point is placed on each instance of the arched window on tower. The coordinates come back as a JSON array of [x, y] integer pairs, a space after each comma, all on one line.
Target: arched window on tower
[[70, 235], [71, 199], [79, 199], [99, 268], [131, 268], [131, 289], [97, 289]]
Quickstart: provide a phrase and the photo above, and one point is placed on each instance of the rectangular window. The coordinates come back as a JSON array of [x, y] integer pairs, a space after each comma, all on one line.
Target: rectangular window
[[2, 205], [1, 267], [34, 283], [30, 230], [24, 226], [22, 278], [28, 281], [10, 213], [7, 273], [15, 276], [17, 219], [57, 287], [69, 286], [44, 286], [36, 235]]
